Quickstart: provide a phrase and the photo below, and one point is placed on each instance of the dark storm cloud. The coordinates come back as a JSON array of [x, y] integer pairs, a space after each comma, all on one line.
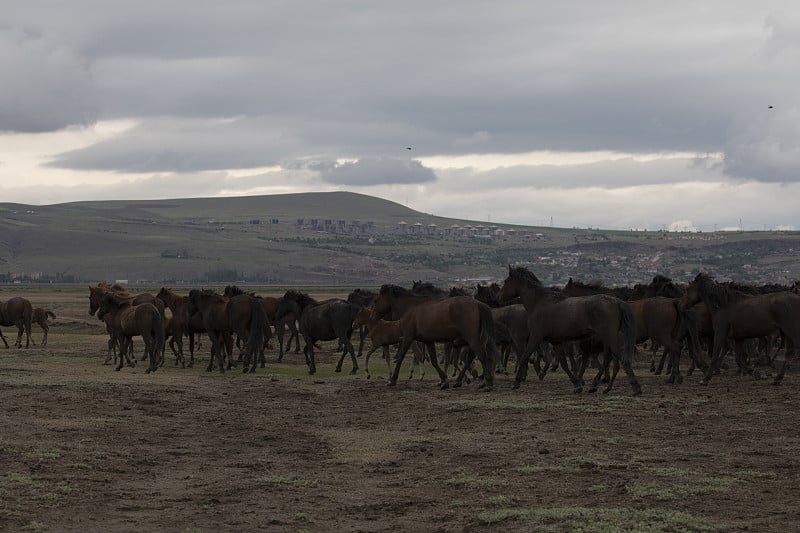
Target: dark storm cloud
[[349, 80], [46, 86]]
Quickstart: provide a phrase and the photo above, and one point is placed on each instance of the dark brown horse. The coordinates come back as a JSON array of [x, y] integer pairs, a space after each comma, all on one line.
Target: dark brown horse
[[556, 318], [459, 319], [182, 323], [270, 305], [740, 316], [17, 311], [127, 320], [42, 317], [241, 314], [321, 321], [97, 293]]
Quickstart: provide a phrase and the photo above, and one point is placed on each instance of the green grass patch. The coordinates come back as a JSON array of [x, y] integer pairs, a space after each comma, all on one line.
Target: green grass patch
[[558, 469], [42, 454], [463, 478], [585, 519], [669, 491], [35, 526]]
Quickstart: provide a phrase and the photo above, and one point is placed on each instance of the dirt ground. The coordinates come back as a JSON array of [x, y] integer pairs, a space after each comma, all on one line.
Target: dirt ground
[[85, 448]]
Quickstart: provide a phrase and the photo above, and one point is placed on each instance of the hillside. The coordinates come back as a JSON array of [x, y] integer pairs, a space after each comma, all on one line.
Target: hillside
[[343, 238]]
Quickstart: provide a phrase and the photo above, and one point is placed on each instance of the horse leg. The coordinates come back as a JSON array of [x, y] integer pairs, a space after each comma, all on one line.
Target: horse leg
[[443, 382], [309, 349], [191, 349], [4, 339], [405, 344], [468, 359], [279, 331], [626, 365], [568, 371], [522, 364], [614, 373], [349, 348], [366, 357], [362, 335], [18, 342], [790, 348], [716, 357]]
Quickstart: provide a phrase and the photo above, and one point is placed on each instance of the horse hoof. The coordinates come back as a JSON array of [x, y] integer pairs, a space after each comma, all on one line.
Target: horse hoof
[[606, 391], [354, 372], [776, 381], [592, 389], [391, 383], [487, 388], [444, 385], [578, 390], [367, 374], [338, 369], [457, 384], [637, 391], [515, 386]]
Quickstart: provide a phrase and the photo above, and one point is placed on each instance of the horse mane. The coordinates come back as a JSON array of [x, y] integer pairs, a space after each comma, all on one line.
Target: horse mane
[[460, 291], [592, 285], [116, 299], [528, 278], [301, 298], [524, 275], [426, 288], [394, 290], [718, 295], [233, 290], [742, 288], [361, 296]]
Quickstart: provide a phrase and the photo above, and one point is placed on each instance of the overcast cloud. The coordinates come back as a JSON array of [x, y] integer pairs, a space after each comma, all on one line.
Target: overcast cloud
[[612, 114]]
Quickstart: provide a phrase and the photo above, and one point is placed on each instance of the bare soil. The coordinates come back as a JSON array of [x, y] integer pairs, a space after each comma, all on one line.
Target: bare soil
[[85, 448]]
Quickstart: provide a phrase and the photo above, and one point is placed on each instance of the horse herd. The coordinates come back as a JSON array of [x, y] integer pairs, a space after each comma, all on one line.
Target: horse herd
[[567, 327]]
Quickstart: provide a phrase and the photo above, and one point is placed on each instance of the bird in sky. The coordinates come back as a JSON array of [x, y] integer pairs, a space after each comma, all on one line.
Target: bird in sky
[[770, 107], [409, 148]]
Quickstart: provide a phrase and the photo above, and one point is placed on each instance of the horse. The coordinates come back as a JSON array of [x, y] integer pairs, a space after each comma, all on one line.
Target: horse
[[362, 298], [270, 305], [662, 320], [740, 316], [180, 324], [556, 318], [241, 314], [382, 334], [17, 311], [97, 293], [321, 321], [128, 320], [42, 317], [458, 319]]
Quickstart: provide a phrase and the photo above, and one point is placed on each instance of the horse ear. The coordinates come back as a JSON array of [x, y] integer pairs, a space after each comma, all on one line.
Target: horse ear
[[509, 268]]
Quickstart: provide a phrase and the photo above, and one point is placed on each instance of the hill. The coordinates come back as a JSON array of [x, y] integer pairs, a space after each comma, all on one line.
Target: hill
[[343, 238]]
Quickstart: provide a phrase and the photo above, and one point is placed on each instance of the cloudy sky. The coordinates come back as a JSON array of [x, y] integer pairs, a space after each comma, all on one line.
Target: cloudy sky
[[602, 114]]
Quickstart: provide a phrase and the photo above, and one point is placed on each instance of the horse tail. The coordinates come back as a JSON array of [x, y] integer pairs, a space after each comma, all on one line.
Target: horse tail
[[259, 328], [689, 328], [157, 324], [487, 340], [627, 326]]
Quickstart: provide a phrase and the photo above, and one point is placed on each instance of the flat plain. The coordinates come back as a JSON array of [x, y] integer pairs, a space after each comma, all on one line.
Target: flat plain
[[85, 448]]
